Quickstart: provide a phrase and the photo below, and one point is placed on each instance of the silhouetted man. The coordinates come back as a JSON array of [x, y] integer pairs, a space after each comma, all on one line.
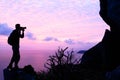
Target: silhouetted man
[[16, 35]]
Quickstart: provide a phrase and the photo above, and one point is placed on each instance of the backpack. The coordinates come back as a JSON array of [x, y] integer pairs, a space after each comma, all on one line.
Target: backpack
[[10, 39]]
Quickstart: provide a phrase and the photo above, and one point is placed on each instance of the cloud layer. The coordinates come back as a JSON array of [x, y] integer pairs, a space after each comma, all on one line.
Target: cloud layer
[[30, 36], [67, 22], [50, 39], [5, 30]]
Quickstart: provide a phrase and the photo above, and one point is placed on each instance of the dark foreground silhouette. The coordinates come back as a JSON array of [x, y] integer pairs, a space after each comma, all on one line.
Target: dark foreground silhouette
[[64, 66], [104, 57], [26, 73]]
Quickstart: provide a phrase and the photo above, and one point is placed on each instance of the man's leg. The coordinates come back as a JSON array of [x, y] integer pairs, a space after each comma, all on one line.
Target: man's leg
[[17, 57], [10, 66]]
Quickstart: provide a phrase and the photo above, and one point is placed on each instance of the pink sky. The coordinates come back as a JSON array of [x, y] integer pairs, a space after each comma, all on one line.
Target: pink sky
[[62, 23]]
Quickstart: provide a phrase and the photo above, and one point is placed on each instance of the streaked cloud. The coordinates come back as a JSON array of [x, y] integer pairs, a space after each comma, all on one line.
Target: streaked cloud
[[69, 41], [77, 42], [50, 39], [5, 30]]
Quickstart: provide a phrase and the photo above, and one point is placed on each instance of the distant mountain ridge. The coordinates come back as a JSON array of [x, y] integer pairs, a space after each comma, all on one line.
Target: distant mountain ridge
[[82, 51]]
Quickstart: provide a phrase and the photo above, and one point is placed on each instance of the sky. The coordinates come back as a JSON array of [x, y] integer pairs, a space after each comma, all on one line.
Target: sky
[[74, 23], [51, 24]]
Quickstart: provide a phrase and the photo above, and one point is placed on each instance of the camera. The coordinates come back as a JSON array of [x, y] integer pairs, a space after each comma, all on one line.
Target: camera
[[22, 28]]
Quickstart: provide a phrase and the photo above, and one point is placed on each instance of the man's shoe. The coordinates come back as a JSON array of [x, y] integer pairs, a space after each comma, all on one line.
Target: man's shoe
[[9, 68]]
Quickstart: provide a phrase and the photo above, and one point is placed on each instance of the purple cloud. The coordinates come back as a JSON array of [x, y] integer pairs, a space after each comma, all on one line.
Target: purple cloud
[[5, 29], [69, 41], [30, 36], [85, 45], [50, 39]]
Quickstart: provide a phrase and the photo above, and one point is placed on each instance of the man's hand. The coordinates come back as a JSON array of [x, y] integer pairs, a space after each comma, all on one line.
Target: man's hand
[[23, 30]]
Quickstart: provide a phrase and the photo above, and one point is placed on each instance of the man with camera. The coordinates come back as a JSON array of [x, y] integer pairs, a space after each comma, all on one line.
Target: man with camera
[[15, 36]]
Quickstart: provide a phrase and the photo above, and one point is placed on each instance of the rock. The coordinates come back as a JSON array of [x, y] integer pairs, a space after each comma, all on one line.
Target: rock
[[103, 56], [113, 75], [114, 11], [26, 73]]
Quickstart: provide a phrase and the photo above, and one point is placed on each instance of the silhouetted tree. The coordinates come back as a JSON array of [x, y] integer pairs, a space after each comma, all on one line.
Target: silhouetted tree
[[61, 57], [60, 66]]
